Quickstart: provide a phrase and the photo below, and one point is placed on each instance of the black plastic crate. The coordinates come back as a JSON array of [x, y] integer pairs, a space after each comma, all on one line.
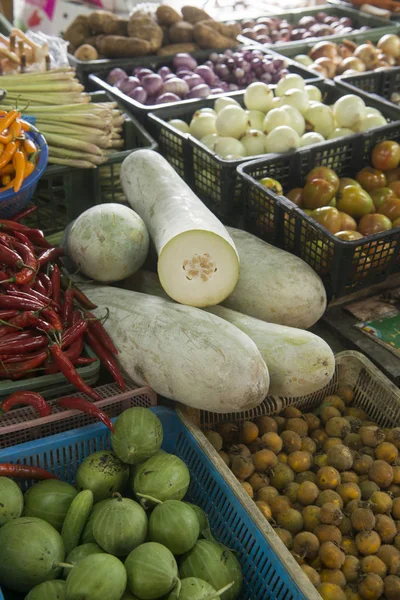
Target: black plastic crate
[[63, 193], [141, 111], [215, 180], [343, 266], [374, 84], [360, 19]]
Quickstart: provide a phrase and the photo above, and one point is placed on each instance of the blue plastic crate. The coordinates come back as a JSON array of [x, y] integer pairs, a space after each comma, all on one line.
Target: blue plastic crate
[[266, 576]]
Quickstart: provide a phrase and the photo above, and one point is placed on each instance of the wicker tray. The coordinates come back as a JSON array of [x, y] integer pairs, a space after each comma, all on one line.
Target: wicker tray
[[378, 396], [22, 425]]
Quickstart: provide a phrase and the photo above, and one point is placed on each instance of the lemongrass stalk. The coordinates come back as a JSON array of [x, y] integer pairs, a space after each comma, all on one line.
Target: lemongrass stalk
[[69, 153], [14, 80], [85, 120], [119, 121], [99, 139], [74, 144], [116, 144], [57, 127], [70, 162], [54, 87], [42, 74], [33, 99], [65, 108]]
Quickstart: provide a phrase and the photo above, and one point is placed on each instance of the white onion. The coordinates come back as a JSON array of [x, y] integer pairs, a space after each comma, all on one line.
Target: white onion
[[256, 119], [253, 142], [224, 101], [390, 45], [372, 111], [370, 122], [275, 118], [229, 147], [231, 122], [297, 121], [179, 124], [314, 93], [296, 98], [339, 132], [349, 110], [303, 59], [311, 138], [211, 111], [258, 96], [210, 140], [203, 124], [276, 103], [282, 139], [289, 82], [320, 117]]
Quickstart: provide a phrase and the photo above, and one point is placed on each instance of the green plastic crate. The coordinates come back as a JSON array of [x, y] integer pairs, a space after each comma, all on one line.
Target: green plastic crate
[[360, 19], [63, 193]]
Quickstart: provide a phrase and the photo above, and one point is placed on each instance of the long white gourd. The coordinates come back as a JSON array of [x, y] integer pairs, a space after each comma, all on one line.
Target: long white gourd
[[198, 264], [298, 361], [183, 353], [274, 285]]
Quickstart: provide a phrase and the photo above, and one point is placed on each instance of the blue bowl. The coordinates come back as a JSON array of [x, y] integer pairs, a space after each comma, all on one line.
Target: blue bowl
[[13, 202]]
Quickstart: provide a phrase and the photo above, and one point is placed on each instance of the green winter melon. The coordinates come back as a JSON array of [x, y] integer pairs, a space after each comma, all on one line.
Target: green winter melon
[[11, 500], [96, 577], [103, 473], [48, 590], [87, 534], [152, 571], [164, 476], [80, 552], [30, 552], [137, 436], [120, 526], [49, 500]]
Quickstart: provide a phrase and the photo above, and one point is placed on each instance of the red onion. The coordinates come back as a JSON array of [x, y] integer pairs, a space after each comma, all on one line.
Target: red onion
[[184, 60], [193, 80], [206, 73], [143, 72], [139, 94], [168, 97], [163, 71], [169, 76], [176, 86], [153, 84], [200, 91], [128, 85], [116, 75], [217, 90]]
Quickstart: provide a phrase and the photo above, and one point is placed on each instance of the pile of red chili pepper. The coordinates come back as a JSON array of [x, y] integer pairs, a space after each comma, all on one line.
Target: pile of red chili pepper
[[44, 317], [18, 153]]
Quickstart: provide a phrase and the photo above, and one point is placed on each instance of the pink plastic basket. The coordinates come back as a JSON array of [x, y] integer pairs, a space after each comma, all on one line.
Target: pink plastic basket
[[22, 424]]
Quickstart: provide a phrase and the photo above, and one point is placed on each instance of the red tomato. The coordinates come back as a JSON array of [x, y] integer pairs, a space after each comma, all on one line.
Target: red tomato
[[329, 217], [349, 236], [392, 175], [355, 201], [380, 195], [324, 173], [370, 224], [371, 179], [296, 196], [395, 186], [318, 193], [347, 223], [391, 209], [386, 155]]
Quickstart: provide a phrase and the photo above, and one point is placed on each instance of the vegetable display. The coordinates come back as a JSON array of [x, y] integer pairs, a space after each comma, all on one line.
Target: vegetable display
[[355, 208], [198, 263], [298, 361], [224, 72], [137, 549], [328, 482], [79, 133], [287, 118], [163, 31], [349, 58], [267, 30]]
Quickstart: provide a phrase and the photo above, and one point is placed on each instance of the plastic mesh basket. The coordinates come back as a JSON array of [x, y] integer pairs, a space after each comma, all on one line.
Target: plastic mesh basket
[[215, 180], [266, 564], [378, 396], [63, 193], [374, 84], [280, 222], [359, 19], [23, 425]]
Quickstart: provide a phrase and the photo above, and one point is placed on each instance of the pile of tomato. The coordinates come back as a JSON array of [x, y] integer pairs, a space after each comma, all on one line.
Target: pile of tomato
[[351, 208]]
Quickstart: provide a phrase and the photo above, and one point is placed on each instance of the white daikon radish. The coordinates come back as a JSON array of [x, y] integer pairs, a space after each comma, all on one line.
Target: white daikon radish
[[299, 362], [198, 263], [183, 353], [274, 285], [108, 242]]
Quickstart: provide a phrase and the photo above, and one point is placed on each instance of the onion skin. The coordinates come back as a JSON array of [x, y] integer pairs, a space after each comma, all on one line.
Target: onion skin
[[324, 50], [368, 54], [353, 63], [390, 44]]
